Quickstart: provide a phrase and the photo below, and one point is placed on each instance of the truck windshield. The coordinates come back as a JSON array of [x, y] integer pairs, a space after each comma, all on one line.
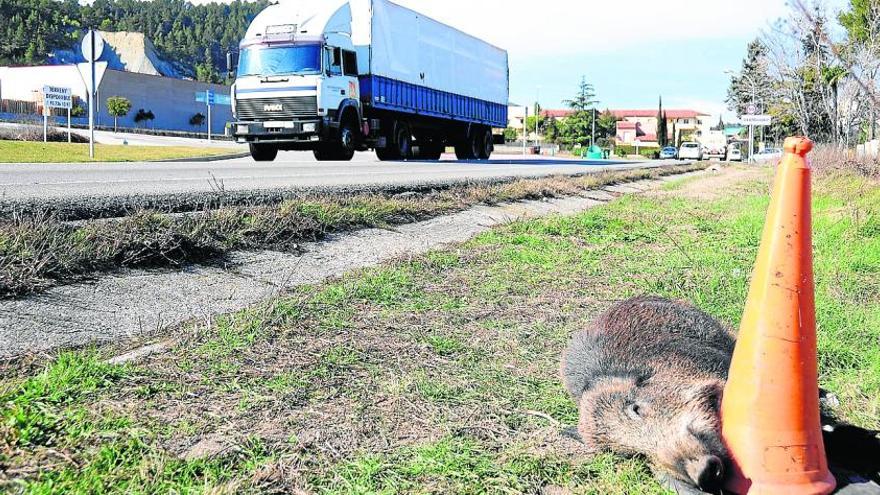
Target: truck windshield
[[281, 60]]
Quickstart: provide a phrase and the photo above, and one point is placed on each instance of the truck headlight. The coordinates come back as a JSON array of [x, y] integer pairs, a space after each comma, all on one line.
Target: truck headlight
[[312, 127], [242, 129]]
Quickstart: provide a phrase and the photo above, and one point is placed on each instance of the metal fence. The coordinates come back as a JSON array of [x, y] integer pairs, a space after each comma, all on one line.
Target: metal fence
[[19, 107]]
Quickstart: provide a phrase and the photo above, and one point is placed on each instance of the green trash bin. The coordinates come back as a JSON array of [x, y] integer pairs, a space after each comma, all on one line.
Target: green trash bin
[[594, 153]]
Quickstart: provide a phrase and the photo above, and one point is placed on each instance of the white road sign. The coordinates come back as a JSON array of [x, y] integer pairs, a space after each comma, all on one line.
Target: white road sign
[[85, 73], [751, 109], [55, 97], [756, 120], [87, 46]]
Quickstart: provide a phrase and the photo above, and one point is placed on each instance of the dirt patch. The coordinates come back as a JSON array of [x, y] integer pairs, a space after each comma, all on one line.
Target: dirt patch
[[714, 183]]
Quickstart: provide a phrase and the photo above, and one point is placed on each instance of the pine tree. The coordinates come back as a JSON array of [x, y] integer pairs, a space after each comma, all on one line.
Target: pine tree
[[662, 135], [753, 83], [584, 100], [665, 136]]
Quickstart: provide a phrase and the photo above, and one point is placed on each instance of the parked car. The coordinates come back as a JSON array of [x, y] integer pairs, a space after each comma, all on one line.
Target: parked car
[[768, 154], [690, 151], [714, 152], [669, 153], [734, 154]]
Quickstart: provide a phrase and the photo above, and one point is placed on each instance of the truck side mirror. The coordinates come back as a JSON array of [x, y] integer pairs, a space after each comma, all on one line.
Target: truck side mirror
[[230, 68]]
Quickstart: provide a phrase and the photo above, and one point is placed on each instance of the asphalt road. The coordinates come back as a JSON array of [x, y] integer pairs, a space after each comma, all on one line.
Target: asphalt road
[[22, 182], [129, 138]]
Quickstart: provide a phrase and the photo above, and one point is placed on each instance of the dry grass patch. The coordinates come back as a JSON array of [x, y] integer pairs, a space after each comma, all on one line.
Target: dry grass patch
[[38, 251]]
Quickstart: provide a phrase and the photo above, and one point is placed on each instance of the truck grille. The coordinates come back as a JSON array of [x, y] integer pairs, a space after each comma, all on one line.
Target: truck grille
[[276, 108]]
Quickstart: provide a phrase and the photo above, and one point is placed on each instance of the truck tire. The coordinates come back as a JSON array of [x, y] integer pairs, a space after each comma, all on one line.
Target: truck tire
[[386, 154], [325, 154], [347, 139], [403, 141], [467, 148], [470, 148], [431, 151], [487, 144], [463, 151], [263, 152], [341, 149]]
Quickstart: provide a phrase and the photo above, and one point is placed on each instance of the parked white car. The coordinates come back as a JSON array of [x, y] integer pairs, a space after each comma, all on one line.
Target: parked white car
[[768, 154], [734, 154], [690, 151]]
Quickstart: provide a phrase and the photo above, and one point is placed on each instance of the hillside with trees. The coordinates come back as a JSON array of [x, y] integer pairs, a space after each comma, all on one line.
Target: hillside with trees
[[195, 37]]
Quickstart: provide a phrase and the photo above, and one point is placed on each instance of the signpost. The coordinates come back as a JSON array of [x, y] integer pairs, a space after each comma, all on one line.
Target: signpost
[[210, 98], [55, 97], [751, 121], [92, 48]]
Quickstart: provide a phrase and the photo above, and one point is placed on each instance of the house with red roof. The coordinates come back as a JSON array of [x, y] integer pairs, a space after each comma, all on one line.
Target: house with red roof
[[641, 124]]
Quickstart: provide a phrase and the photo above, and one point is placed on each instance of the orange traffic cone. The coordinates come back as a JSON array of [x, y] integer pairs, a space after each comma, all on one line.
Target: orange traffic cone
[[770, 410]]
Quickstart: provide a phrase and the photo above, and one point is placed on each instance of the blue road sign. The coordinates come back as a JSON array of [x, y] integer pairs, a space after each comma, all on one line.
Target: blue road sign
[[213, 98]]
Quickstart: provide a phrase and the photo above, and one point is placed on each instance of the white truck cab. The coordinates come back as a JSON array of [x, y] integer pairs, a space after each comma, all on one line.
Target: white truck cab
[[339, 76], [296, 76]]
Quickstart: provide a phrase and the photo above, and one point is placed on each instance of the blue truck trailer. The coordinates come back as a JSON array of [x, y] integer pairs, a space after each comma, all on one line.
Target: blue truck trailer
[[337, 77]]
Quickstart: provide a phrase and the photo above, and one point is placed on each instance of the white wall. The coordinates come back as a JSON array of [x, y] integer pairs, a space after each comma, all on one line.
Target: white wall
[[19, 83], [172, 101]]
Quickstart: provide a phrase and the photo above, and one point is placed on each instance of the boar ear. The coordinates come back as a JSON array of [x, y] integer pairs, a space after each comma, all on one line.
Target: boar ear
[[707, 392]]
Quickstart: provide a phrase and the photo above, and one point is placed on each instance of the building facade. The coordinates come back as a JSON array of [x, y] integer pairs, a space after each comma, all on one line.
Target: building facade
[[641, 125], [171, 100]]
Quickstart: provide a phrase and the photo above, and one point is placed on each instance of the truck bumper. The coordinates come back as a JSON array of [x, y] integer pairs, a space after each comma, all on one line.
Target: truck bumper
[[301, 134]]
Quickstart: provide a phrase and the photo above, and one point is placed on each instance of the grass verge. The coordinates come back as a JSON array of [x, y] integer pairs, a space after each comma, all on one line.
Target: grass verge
[[38, 251], [30, 152], [436, 374]]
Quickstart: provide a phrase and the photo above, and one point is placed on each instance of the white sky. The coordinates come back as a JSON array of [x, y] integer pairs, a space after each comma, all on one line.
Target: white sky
[[547, 27], [553, 42]]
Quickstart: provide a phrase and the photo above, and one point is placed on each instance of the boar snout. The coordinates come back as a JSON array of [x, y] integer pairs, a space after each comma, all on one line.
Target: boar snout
[[707, 472]]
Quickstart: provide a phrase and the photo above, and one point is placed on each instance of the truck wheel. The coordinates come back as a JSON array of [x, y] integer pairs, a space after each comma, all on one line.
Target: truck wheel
[[476, 141], [403, 141], [325, 154], [385, 154], [431, 151], [463, 151], [347, 141], [487, 145], [263, 152]]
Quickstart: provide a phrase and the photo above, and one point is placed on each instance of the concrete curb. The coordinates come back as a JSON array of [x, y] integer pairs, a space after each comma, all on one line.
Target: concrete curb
[[217, 158]]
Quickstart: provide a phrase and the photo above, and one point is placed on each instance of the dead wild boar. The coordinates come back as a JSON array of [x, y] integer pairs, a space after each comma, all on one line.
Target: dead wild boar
[[648, 376]]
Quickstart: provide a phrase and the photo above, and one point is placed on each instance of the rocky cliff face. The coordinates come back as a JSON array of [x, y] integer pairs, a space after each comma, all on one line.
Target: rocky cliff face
[[127, 51]]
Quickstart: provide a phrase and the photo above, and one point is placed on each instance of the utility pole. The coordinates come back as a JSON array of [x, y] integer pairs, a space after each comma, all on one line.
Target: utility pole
[[525, 128]]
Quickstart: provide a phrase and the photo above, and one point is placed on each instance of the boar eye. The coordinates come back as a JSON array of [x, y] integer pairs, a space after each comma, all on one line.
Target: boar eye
[[634, 411]]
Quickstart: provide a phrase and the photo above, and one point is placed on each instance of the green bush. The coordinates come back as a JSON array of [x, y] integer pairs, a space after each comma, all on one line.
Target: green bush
[[647, 152]]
